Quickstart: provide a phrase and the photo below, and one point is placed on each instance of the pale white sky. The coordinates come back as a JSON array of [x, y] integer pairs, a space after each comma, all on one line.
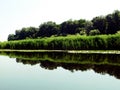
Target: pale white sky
[[15, 14]]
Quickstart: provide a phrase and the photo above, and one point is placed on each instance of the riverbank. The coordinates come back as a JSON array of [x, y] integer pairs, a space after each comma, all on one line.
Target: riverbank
[[66, 51]]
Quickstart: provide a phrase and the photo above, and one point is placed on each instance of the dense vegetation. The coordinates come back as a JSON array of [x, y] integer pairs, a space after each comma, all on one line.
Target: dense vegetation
[[70, 42], [101, 33], [108, 24]]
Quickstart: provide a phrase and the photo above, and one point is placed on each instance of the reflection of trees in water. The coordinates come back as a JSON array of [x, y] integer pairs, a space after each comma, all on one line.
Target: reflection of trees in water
[[102, 68], [69, 57], [27, 61], [111, 70], [100, 63]]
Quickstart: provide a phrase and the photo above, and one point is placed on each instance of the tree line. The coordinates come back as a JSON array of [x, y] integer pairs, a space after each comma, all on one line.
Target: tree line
[[109, 24]]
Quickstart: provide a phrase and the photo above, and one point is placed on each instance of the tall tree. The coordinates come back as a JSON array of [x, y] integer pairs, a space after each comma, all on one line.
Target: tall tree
[[48, 29], [116, 18], [113, 22], [100, 24], [71, 27], [68, 27]]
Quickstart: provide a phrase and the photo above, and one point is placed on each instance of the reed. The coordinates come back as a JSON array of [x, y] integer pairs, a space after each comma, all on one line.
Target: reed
[[70, 42]]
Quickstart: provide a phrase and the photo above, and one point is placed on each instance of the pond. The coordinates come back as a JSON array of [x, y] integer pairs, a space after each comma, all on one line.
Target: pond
[[59, 71]]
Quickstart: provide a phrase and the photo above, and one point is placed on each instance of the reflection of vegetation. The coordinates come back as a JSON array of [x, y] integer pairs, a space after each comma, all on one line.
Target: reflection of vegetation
[[111, 59], [102, 69], [100, 63]]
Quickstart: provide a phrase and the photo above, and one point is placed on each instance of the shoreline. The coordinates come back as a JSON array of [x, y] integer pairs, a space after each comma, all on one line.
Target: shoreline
[[65, 51]]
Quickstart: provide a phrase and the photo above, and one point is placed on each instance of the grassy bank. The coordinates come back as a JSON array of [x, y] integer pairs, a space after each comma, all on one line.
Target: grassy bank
[[75, 42]]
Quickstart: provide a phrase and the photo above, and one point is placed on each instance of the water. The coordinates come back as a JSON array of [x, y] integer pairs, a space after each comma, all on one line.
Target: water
[[22, 73]]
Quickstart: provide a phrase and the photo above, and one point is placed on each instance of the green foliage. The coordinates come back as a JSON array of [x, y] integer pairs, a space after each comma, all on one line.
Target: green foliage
[[100, 24], [118, 32], [11, 37], [81, 31], [24, 33], [70, 42], [94, 32], [113, 22], [48, 29], [108, 24], [71, 27], [88, 27]]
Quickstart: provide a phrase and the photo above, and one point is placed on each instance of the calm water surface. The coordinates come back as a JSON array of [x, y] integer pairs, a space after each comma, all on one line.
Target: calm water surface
[[14, 75]]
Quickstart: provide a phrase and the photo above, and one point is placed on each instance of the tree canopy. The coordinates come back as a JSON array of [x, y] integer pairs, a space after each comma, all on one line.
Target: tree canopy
[[108, 24]]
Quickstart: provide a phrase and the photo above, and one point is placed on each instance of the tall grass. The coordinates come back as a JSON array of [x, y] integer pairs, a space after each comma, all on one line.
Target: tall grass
[[71, 42]]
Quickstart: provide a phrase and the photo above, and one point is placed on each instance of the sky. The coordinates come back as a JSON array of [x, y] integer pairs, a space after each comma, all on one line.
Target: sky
[[16, 14]]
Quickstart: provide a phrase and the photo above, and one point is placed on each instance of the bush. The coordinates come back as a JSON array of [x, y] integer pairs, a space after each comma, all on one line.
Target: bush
[[118, 32], [94, 32]]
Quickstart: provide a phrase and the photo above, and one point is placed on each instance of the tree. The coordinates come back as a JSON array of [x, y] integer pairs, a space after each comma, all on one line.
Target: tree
[[71, 27], [111, 29], [88, 27], [29, 32], [68, 27], [81, 26], [113, 22], [108, 24], [48, 29], [11, 37], [100, 24], [116, 18]]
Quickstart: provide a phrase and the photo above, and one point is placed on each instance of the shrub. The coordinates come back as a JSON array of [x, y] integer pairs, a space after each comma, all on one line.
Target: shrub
[[94, 32]]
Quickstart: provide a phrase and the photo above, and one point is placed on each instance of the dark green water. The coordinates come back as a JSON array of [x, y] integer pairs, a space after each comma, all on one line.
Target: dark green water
[[59, 71]]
